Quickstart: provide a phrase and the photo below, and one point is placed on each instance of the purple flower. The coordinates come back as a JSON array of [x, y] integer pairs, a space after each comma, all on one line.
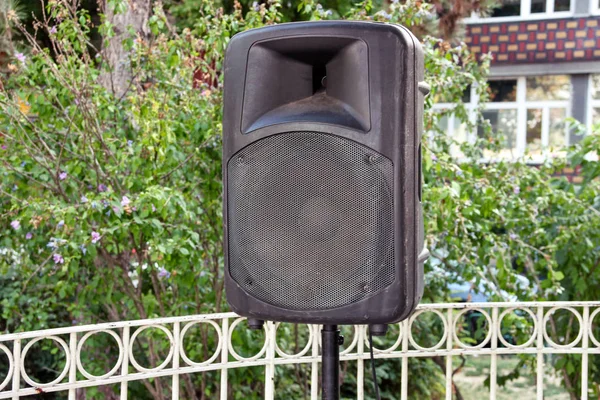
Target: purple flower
[[153, 208], [28, 236], [102, 187], [385, 14], [60, 224], [62, 176], [52, 244], [255, 6], [459, 172], [512, 236], [130, 143], [163, 273], [3, 147], [125, 201], [116, 209], [74, 322], [21, 57], [53, 30], [23, 164], [84, 199], [95, 237], [83, 249], [516, 190], [58, 259], [433, 157], [15, 224]]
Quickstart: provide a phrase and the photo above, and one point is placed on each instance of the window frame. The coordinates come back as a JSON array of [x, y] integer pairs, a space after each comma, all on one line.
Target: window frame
[[594, 7], [521, 105], [527, 14]]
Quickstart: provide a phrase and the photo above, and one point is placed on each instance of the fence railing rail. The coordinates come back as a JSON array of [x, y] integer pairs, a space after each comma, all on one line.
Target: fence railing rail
[[70, 340]]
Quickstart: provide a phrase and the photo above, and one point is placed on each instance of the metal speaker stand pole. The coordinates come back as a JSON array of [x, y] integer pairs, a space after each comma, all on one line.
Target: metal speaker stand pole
[[331, 341]]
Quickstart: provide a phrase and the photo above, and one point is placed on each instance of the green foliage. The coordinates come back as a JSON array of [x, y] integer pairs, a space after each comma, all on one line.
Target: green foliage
[[112, 205]]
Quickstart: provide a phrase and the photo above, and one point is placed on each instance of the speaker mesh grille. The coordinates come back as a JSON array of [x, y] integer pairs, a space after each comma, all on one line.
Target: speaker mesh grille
[[310, 220]]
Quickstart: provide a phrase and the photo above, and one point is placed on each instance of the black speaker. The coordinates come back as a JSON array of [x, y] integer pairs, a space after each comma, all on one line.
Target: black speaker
[[322, 173]]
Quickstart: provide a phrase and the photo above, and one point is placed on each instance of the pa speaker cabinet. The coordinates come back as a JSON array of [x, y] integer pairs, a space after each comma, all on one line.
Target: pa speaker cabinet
[[321, 169]]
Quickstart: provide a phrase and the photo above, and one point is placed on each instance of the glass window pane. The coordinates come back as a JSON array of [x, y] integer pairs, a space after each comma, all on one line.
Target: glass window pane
[[442, 123], [538, 6], [557, 132], [503, 90], [467, 95], [508, 8], [504, 126], [460, 130], [549, 87], [596, 86], [534, 131], [562, 5], [460, 136]]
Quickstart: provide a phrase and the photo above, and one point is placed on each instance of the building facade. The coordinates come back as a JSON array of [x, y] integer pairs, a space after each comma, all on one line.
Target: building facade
[[545, 67]]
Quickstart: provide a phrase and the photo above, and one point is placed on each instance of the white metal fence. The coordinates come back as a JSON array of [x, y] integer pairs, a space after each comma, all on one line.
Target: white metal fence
[[70, 340]]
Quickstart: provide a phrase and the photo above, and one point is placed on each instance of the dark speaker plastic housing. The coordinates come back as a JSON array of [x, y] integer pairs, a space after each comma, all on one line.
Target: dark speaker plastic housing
[[372, 95]]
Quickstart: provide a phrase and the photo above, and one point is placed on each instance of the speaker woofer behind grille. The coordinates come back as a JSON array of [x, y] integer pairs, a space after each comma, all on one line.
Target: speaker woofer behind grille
[[310, 219]]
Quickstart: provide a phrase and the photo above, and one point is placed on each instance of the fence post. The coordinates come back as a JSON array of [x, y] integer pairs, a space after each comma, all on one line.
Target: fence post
[[314, 372], [584, 354], [449, 371], [176, 345], [494, 356], [540, 354], [73, 366], [360, 363], [404, 372], [224, 358], [125, 365], [17, 369], [270, 358]]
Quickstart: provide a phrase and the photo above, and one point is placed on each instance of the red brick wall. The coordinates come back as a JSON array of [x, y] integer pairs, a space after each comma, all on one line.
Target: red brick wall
[[547, 41]]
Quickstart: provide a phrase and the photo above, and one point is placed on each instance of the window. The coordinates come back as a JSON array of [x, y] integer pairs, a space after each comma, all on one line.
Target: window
[[527, 114], [595, 6], [516, 9], [507, 8], [594, 112]]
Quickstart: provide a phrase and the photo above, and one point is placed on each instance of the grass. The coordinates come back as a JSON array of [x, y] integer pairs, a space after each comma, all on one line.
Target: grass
[[470, 381]]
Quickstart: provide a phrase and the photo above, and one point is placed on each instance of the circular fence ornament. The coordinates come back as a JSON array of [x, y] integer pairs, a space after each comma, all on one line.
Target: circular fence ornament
[[114, 369], [529, 342], [352, 344], [389, 349], [302, 352], [552, 342], [487, 337], [167, 359], [591, 325], [217, 351], [235, 353], [11, 366], [439, 343], [60, 377]]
